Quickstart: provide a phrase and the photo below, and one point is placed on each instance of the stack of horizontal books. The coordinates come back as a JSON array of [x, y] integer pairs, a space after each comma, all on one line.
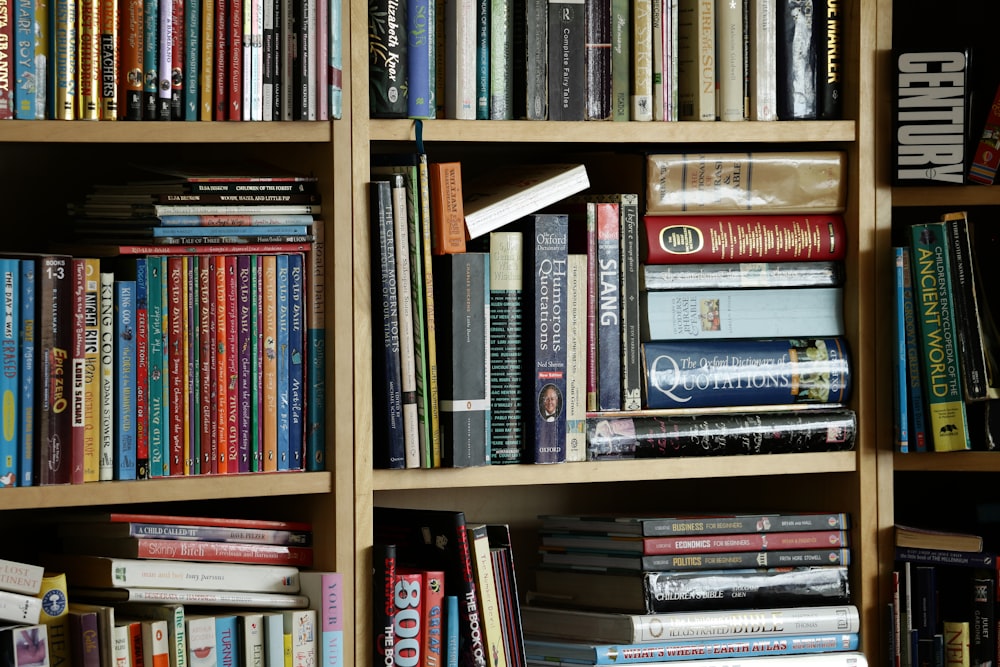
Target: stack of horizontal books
[[661, 588], [23, 636]]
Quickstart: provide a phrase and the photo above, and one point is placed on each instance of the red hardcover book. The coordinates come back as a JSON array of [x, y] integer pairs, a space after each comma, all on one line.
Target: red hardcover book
[[433, 619], [188, 520], [690, 239], [235, 461], [130, 63], [408, 616], [648, 546], [77, 374], [196, 550], [176, 317]]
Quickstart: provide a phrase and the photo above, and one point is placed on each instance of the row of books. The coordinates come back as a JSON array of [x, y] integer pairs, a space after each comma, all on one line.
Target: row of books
[[620, 60], [945, 336], [198, 610], [944, 598], [617, 334], [181, 60], [690, 586]]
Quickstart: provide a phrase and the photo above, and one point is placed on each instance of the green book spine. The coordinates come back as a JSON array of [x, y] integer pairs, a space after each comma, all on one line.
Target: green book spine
[[621, 58], [938, 348]]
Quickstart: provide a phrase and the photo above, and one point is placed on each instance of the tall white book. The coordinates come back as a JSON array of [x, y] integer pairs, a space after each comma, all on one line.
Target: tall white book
[[763, 61], [729, 54], [460, 60]]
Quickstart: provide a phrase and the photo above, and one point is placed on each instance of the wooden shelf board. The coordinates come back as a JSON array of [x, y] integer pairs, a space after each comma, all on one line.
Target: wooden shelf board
[[948, 462], [163, 132], [955, 196], [610, 132], [167, 489], [612, 471]]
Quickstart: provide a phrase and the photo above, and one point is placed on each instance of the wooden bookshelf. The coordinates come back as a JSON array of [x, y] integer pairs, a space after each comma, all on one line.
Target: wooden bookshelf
[[844, 481]]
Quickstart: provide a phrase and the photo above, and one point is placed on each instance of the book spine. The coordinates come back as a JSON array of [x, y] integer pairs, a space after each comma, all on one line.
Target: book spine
[[609, 325], [430, 324], [91, 366], [486, 589], [130, 80], [420, 96], [773, 432], [460, 60], [124, 392], [296, 353], [629, 237], [131, 573], [19, 577], [109, 59], [983, 169], [729, 33], [55, 616], [536, 25], [176, 332], [971, 346], [567, 93], [707, 238], [936, 324], [220, 91], [696, 59], [19, 608], [165, 49], [829, 61], [315, 349], [222, 552], [29, 369], [81, 456], [388, 57], [385, 331], [501, 31], [506, 347], [177, 55], [738, 313], [816, 273], [335, 73], [597, 60], [408, 617], [234, 63], [641, 79], [813, 539], [141, 342], [797, 65], [656, 20], [956, 643], [982, 625], [745, 559], [10, 372], [269, 369], [206, 372], [680, 591], [218, 534], [900, 384], [156, 407], [87, 42], [621, 59], [464, 374], [434, 618], [24, 95], [150, 58], [593, 301], [326, 597], [763, 61], [304, 635], [576, 357], [282, 366], [914, 391], [383, 605], [754, 372], [106, 409], [676, 183], [447, 207], [84, 650], [192, 53], [546, 366]]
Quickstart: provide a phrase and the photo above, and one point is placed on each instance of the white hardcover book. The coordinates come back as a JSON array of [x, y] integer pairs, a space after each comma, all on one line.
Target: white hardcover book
[[763, 313], [102, 571], [19, 608], [18, 577], [460, 60], [763, 61], [729, 49], [576, 358], [250, 625]]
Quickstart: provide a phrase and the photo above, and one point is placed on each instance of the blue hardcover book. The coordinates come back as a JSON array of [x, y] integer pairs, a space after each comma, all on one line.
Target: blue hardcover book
[[609, 305], [10, 368], [546, 250], [157, 416], [683, 649], [29, 365], [699, 374], [26, 91], [282, 359], [463, 359], [451, 630], [244, 364], [296, 340], [256, 360], [900, 396], [742, 313], [227, 643], [125, 373], [482, 59], [335, 55], [242, 230], [419, 73], [387, 393], [914, 387]]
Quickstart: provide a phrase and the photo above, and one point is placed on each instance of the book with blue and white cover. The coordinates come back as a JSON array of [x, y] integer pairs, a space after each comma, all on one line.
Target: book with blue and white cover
[[29, 365], [10, 368], [125, 381], [296, 360]]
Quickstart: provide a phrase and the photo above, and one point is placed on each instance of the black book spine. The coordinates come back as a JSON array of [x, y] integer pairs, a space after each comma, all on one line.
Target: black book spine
[[566, 76], [387, 59], [597, 66], [829, 61], [797, 57], [383, 609]]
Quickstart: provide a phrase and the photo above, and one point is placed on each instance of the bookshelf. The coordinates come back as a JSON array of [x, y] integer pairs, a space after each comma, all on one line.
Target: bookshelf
[[843, 481], [47, 163], [958, 479]]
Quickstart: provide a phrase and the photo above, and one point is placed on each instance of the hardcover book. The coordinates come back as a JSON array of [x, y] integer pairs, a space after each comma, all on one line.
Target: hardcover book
[[765, 182], [190, 597], [325, 591], [641, 74], [462, 280], [507, 436], [546, 252], [798, 56], [668, 591], [695, 524], [20, 577], [721, 434], [930, 133], [597, 60], [609, 305], [387, 63], [383, 608], [914, 390], [697, 239], [829, 62], [556, 557], [576, 357], [968, 315], [696, 374], [534, 25], [567, 55], [486, 591], [460, 60], [742, 313], [705, 544], [696, 60], [408, 615], [763, 61], [813, 273], [447, 209]]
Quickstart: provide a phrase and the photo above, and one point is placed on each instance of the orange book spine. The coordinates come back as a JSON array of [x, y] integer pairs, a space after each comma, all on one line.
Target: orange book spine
[[269, 301], [447, 210]]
